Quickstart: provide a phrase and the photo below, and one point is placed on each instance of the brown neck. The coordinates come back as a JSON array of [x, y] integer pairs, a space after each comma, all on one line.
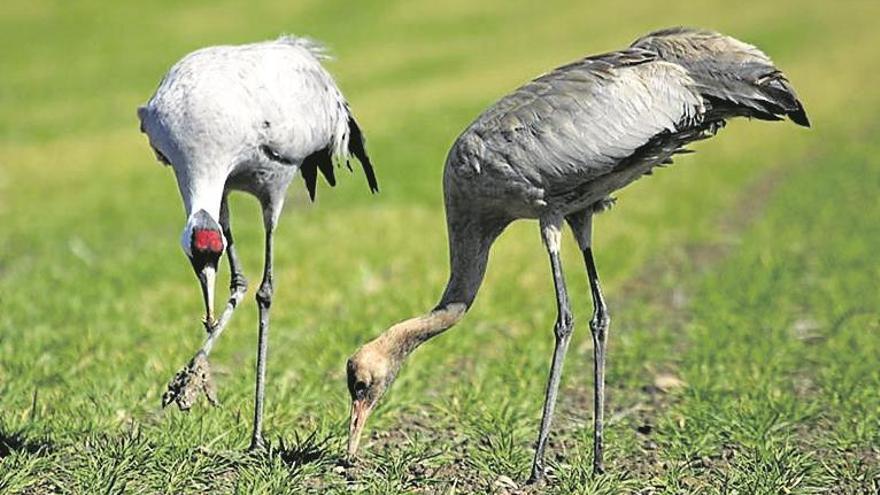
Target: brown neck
[[469, 245], [403, 338]]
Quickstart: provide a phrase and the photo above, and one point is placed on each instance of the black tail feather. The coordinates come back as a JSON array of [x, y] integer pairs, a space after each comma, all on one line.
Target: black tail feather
[[799, 116], [777, 87], [320, 160], [357, 148], [323, 160], [326, 168], [310, 175]]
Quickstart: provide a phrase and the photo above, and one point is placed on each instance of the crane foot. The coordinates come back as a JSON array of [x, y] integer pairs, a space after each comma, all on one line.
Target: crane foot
[[189, 383], [257, 445]]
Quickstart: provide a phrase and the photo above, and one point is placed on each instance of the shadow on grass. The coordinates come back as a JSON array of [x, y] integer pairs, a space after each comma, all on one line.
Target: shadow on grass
[[300, 452], [310, 450], [12, 442]]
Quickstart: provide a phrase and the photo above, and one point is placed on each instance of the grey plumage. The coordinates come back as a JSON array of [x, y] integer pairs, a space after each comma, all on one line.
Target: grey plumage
[[736, 77], [555, 150], [251, 103], [604, 115], [557, 147]]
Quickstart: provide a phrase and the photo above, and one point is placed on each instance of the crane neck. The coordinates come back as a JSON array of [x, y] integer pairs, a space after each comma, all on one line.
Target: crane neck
[[469, 244], [404, 337]]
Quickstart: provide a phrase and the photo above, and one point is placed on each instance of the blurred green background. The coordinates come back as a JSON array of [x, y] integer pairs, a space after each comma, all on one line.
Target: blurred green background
[[743, 280]]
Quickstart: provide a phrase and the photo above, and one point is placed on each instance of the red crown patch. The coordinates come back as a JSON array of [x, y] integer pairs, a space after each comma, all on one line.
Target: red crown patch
[[207, 240]]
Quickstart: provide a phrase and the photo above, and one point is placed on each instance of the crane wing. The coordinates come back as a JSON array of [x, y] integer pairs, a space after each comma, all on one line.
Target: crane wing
[[581, 120], [231, 105]]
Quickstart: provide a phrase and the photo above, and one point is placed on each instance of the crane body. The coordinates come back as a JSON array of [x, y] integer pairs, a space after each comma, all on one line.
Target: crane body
[[555, 150], [246, 118]]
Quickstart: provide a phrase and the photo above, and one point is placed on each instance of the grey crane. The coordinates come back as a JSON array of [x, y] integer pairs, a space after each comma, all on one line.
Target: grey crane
[[244, 118], [554, 150]]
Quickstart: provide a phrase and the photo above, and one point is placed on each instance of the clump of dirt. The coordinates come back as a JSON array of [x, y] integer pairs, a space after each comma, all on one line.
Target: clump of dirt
[[190, 382]]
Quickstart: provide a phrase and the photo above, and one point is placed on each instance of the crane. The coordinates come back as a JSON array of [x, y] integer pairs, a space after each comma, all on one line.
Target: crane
[[244, 118], [555, 150]]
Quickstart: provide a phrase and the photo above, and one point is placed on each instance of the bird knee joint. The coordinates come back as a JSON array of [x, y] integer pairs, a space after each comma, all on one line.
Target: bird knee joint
[[264, 295], [238, 283], [600, 323], [564, 325]]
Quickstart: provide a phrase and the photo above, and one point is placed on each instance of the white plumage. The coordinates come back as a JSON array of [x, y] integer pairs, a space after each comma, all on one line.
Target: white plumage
[[217, 106], [246, 118]]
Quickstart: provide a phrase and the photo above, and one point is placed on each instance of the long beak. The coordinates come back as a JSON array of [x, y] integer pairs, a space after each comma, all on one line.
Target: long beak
[[360, 409], [206, 278]]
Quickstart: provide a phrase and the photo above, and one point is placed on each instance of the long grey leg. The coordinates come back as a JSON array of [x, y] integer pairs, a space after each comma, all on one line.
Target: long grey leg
[[562, 330], [582, 226], [264, 301], [599, 325], [237, 281]]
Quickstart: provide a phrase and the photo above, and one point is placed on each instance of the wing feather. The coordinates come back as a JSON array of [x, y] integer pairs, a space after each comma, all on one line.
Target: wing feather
[[579, 121], [737, 76]]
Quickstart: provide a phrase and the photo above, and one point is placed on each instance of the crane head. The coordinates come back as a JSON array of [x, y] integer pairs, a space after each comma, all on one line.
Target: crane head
[[204, 244], [370, 373], [373, 368]]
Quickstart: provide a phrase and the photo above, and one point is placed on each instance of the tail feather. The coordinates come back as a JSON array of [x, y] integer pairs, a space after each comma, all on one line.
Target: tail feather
[[356, 146], [799, 116], [780, 90], [736, 78], [309, 170], [322, 160], [326, 167]]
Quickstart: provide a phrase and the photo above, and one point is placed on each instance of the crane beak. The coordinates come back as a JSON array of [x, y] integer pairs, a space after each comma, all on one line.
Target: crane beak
[[207, 276], [360, 409]]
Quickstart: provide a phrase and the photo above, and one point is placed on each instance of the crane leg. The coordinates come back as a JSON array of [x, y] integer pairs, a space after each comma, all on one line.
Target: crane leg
[[237, 281], [562, 332], [264, 302], [195, 377], [582, 225], [599, 325]]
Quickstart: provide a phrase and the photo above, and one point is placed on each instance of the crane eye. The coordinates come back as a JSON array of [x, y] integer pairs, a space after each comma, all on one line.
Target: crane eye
[[274, 155], [159, 156], [360, 388]]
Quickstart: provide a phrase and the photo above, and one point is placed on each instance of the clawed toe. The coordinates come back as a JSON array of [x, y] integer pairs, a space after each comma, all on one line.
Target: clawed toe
[[188, 383]]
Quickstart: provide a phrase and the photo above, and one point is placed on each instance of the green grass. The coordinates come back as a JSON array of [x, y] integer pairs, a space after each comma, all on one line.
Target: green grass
[[748, 271]]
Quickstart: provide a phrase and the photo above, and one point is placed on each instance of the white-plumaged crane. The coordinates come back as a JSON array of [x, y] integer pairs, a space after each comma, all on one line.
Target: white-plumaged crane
[[554, 150], [244, 118]]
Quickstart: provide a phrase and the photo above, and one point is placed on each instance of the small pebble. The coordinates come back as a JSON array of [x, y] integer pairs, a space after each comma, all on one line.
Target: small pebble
[[505, 482], [667, 382]]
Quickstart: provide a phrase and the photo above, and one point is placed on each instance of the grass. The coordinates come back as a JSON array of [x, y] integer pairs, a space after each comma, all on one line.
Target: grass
[[747, 271]]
